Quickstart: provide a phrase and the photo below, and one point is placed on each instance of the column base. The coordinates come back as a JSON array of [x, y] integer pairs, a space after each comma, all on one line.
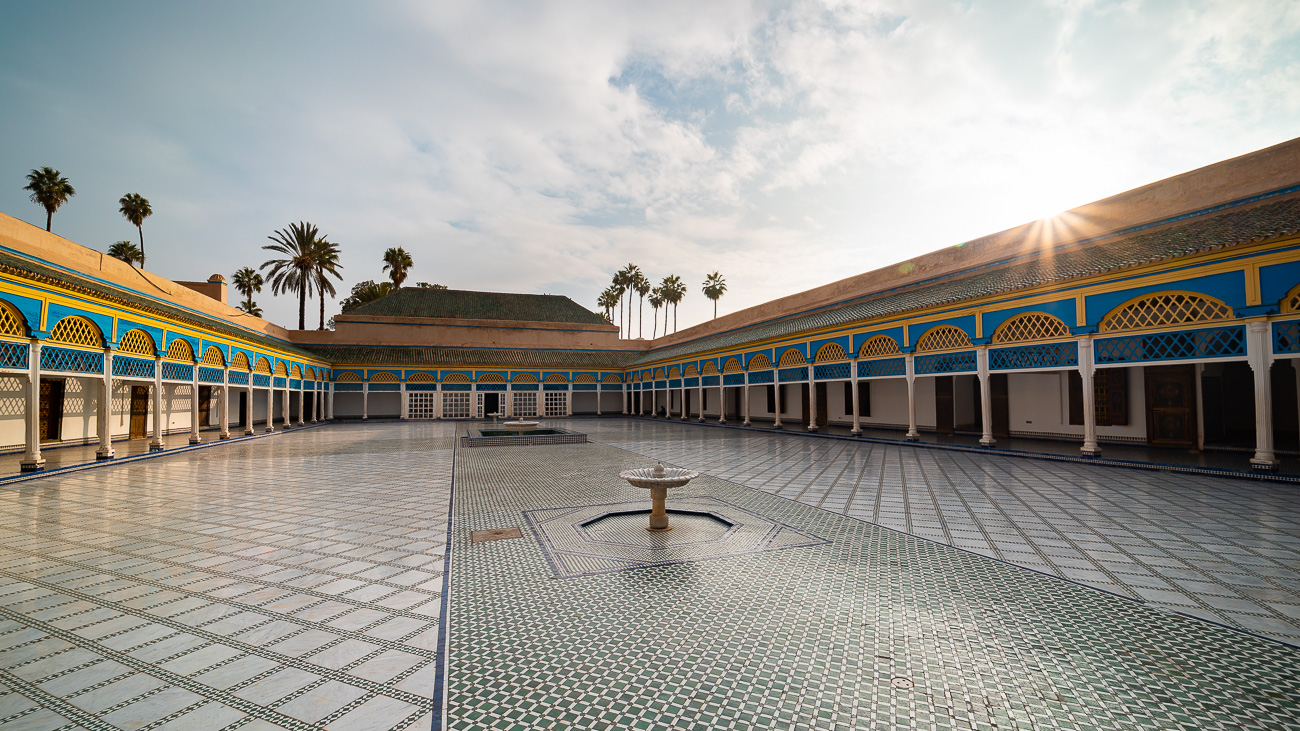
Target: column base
[[745, 422], [1263, 465], [988, 442], [812, 427], [104, 453], [777, 425], [35, 465], [855, 432], [194, 439], [722, 421], [249, 432], [269, 430], [912, 437], [303, 423], [224, 435], [1087, 451], [157, 447]]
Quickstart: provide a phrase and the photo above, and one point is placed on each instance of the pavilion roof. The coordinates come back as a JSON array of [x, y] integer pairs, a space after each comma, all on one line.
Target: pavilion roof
[[468, 305], [503, 357]]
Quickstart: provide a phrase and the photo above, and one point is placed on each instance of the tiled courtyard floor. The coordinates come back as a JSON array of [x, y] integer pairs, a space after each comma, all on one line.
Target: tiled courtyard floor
[[280, 582], [297, 581]]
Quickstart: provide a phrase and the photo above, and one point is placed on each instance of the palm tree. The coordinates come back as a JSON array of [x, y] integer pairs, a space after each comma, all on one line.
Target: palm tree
[[248, 282], [49, 190], [607, 301], [294, 272], [396, 263], [673, 291], [620, 284], [714, 287], [641, 286], [325, 263], [656, 301], [364, 292], [127, 251], [135, 208]]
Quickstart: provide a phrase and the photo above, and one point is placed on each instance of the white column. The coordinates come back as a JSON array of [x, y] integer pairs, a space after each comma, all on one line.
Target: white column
[[986, 407], [909, 362], [776, 393], [853, 376], [224, 404], [194, 404], [599, 393], [329, 402], [1260, 356], [1200, 408], [270, 405], [509, 407], [405, 413], [105, 410], [1087, 371], [32, 459], [812, 401], [315, 401], [568, 400], [157, 443], [365, 401], [248, 412], [284, 403], [722, 402], [699, 394], [301, 392]]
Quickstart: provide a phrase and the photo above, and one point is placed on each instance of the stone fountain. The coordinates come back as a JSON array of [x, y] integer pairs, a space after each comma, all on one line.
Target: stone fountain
[[519, 425], [658, 479]]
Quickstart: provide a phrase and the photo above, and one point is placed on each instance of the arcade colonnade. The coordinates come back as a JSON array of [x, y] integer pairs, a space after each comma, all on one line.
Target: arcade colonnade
[[433, 393], [71, 384]]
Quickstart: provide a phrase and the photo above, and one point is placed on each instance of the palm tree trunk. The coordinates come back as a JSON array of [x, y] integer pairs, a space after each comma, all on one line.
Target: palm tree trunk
[[49, 218], [322, 309], [141, 230], [302, 308], [640, 318], [715, 309]]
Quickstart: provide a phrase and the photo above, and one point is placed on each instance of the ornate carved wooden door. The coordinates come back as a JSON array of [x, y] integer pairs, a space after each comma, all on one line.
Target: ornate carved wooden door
[[51, 409], [1000, 402], [139, 412], [1171, 405], [205, 405], [943, 410]]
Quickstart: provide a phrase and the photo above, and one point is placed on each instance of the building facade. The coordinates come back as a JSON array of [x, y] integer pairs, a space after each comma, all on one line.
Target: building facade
[[1167, 316]]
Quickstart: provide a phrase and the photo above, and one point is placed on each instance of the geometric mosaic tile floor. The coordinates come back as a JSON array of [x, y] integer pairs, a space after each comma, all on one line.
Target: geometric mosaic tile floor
[[872, 629], [288, 582], [1226, 550]]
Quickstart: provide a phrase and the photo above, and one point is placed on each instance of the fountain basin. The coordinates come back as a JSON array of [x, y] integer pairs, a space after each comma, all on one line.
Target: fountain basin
[[519, 426], [658, 480]]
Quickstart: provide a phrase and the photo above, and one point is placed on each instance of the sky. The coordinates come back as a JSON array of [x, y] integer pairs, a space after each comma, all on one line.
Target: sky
[[540, 146]]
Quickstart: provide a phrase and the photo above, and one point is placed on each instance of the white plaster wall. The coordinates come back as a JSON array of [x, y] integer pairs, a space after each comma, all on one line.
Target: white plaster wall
[[347, 404], [385, 405], [1040, 402]]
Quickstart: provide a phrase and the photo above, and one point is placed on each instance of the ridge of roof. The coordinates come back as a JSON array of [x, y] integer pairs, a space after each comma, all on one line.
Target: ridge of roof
[[507, 357], [476, 305]]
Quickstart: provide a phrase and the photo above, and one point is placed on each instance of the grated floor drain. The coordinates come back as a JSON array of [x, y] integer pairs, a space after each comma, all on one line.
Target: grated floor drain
[[903, 683], [494, 534]]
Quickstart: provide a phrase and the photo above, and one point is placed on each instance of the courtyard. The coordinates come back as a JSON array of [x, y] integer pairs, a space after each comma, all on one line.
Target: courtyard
[[326, 578]]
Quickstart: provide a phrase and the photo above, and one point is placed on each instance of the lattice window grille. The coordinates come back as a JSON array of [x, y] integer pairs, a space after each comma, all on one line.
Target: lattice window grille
[[524, 387], [691, 370], [675, 383], [761, 377], [454, 387], [946, 363], [792, 357], [136, 342], [832, 372], [831, 352], [71, 361], [524, 404], [692, 382], [455, 378], [279, 382], [420, 378], [733, 379], [455, 404], [421, 405], [1029, 327], [177, 371], [208, 374], [377, 387], [710, 369], [1165, 309], [944, 337], [584, 378], [709, 380], [263, 366], [12, 323], [1286, 337], [611, 387], [239, 378], [180, 349], [414, 387], [75, 330], [1292, 303], [212, 357], [13, 355], [732, 366], [674, 372], [786, 375], [296, 383], [586, 386], [556, 403], [759, 362], [351, 387], [878, 346], [611, 378], [885, 367], [1219, 342], [1047, 355], [489, 387], [261, 380], [240, 362]]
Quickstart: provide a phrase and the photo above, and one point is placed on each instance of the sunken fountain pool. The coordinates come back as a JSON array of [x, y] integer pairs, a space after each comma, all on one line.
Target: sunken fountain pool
[[519, 434]]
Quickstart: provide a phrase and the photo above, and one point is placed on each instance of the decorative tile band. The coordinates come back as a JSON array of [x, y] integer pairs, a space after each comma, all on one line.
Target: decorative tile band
[[832, 372], [882, 368], [1046, 355], [71, 361], [124, 366], [13, 355], [1215, 342], [786, 375], [761, 377], [961, 362]]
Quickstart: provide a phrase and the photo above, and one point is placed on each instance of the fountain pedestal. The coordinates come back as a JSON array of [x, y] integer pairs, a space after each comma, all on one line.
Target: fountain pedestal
[[658, 480]]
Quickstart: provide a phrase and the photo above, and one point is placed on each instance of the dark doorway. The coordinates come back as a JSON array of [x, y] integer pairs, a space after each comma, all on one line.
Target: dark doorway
[[806, 400], [139, 412], [943, 405], [491, 404], [733, 402], [1001, 404], [243, 409], [1171, 405], [205, 405], [1286, 412], [51, 409], [822, 406]]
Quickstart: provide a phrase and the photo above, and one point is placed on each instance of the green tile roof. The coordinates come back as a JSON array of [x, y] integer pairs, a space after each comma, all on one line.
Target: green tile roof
[[34, 270], [1071, 261], [461, 304], [509, 358]]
